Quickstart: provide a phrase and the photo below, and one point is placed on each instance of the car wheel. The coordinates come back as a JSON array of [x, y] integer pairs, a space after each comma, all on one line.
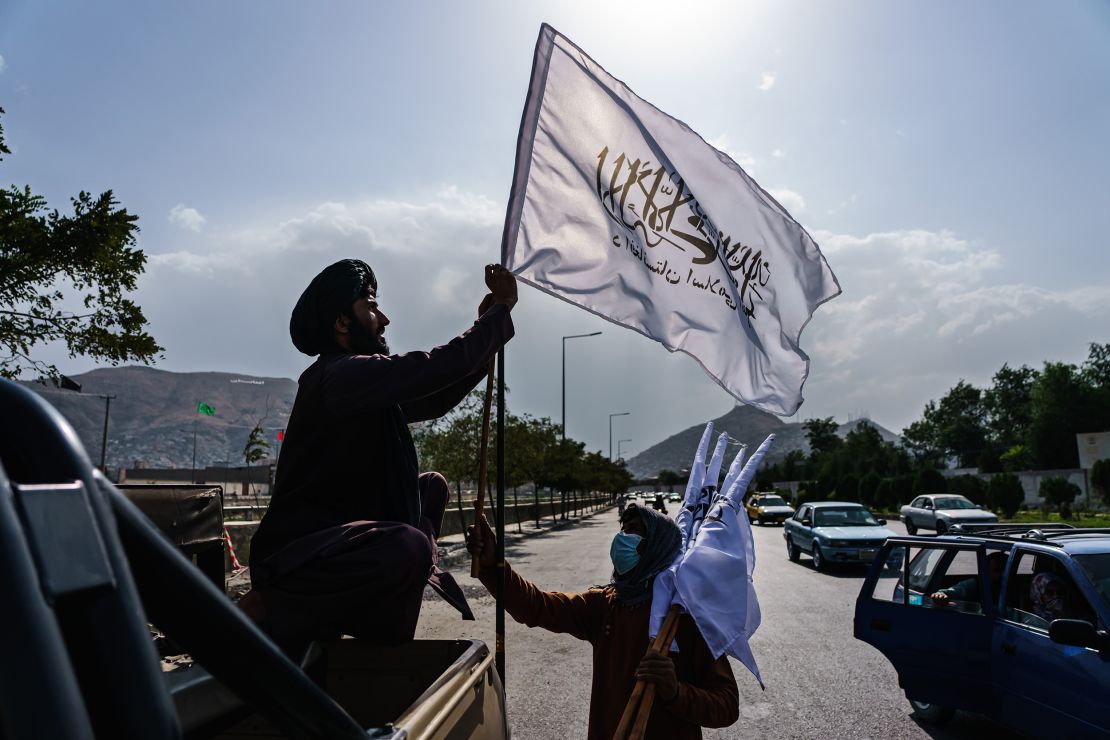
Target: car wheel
[[942, 527], [934, 714], [818, 559], [911, 528], [791, 550], [759, 521]]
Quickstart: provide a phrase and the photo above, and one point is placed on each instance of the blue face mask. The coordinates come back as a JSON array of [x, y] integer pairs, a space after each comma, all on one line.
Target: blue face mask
[[623, 552]]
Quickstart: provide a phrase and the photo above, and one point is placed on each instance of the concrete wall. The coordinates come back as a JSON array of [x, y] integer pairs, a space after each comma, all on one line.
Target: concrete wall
[[453, 522]]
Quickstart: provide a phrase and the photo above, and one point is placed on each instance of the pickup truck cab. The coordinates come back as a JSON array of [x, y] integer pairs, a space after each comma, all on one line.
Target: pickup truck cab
[[85, 574], [1041, 667]]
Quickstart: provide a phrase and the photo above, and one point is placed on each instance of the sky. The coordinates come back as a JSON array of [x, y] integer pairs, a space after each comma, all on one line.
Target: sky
[[949, 158]]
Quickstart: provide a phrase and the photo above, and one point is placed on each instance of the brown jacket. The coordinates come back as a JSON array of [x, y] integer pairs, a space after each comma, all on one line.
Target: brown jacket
[[707, 694]]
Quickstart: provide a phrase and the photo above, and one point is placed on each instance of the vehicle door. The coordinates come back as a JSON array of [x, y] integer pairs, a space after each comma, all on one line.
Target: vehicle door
[[1049, 689], [801, 528], [925, 516], [912, 512], [941, 653]]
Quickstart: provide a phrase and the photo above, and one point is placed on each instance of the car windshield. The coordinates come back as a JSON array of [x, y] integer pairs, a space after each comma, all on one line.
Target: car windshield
[[954, 502], [854, 516], [1097, 568], [771, 501]]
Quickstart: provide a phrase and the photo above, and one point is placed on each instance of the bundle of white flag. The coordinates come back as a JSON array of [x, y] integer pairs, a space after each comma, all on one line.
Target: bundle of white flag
[[625, 211], [712, 576]]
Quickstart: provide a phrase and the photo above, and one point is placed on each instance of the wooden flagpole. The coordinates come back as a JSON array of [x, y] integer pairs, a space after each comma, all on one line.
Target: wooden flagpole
[[483, 464], [643, 695], [499, 550]]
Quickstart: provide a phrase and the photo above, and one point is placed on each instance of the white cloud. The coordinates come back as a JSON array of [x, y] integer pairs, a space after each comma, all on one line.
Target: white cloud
[[187, 218], [724, 144], [789, 199], [778, 153], [767, 81], [921, 309]]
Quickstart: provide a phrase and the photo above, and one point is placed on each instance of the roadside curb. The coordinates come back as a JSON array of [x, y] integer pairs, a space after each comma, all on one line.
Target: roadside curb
[[452, 552]]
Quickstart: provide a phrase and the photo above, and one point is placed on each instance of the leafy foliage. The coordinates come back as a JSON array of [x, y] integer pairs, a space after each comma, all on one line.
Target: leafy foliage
[[256, 448], [1005, 494], [1058, 493], [1100, 479], [65, 278]]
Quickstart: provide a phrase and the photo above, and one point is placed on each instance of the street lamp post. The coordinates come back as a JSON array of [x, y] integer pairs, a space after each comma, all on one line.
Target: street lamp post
[[563, 425], [619, 443], [621, 413]]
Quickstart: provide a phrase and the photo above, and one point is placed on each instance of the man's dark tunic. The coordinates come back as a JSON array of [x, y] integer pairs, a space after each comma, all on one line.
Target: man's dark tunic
[[345, 531]]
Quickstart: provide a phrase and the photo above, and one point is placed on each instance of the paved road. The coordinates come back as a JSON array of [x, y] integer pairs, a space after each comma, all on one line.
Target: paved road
[[821, 682]]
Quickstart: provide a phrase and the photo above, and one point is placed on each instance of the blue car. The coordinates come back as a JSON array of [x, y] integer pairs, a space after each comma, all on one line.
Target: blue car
[[834, 532], [1008, 621]]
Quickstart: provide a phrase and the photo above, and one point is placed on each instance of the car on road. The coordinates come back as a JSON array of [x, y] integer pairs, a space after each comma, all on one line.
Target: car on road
[[834, 532], [674, 498], [659, 504], [768, 507], [1028, 648], [939, 512]]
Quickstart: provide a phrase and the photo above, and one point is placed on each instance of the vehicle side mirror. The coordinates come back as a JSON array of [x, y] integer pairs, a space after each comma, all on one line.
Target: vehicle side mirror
[[1078, 633], [808, 522], [882, 522]]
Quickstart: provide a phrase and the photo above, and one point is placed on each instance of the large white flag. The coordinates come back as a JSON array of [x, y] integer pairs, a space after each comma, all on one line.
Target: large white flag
[[625, 211]]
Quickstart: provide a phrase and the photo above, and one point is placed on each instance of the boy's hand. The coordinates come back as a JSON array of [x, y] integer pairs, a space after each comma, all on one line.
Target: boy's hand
[[480, 542]]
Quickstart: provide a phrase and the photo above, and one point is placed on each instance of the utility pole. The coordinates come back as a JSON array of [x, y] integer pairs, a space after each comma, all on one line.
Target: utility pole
[[104, 438]]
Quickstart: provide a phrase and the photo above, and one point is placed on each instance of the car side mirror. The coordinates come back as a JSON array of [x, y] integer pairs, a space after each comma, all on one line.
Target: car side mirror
[[808, 522], [882, 522], [1078, 633]]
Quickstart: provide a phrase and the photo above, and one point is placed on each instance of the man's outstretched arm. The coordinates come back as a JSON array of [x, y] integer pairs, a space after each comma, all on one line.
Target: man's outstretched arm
[[578, 614]]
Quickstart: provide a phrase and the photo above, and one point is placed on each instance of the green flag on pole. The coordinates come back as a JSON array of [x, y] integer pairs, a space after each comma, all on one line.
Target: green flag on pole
[[203, 408]]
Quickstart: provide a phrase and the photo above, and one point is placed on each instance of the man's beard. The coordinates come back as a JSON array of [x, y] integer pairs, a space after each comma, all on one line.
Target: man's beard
[[365, 343]]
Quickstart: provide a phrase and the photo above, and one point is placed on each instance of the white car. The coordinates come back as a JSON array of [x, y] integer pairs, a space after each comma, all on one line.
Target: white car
[[940, 511]]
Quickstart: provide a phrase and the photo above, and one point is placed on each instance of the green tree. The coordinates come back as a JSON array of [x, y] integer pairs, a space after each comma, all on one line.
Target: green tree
[[1064, 405], [1008, 405], [1058, 493], [885, 498], [969, 486], [848, 488], [1100, 479], [670, 479], [929, 480], [51, 262], [821, 434], [1005, 494], [868, 488], [256, 448]]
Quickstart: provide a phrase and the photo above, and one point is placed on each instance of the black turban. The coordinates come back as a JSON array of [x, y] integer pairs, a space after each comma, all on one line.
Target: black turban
[[662, 543], [328, 295]]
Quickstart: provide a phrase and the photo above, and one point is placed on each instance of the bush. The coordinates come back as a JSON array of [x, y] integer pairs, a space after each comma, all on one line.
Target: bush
[[884, 495], [902, 490], [1058, 493], [929, 480], [868, 487], [1005, 494], [848, 488], [971, 486], [1100, 479]]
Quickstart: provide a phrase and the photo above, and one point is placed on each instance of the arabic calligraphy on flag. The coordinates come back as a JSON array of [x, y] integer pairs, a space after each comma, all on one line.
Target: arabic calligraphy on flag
[[628, 213]]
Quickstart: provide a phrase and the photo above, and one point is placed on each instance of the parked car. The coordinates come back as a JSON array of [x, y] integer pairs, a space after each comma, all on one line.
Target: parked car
[[1041, 667], [675, 498], [834, 532], [768, 507], [939, 512]]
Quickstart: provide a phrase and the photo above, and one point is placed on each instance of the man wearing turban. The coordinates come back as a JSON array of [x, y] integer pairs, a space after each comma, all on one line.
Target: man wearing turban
[[349, 540], [693, 689]]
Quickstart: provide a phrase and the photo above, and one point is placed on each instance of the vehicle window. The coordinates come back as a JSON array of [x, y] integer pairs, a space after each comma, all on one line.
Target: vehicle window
[[888, 586], [1097, 569], [916, 503], [802, 513], [922, 567], [844, 516], [771, 501], [957, 578], [954, 502], [1040, 590]]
